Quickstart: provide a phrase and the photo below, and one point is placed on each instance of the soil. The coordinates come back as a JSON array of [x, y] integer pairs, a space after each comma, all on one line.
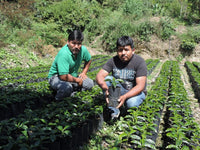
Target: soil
[[195, 106]]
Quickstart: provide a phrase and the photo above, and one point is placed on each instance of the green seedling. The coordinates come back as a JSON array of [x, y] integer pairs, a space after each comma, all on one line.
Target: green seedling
[[114, 81]]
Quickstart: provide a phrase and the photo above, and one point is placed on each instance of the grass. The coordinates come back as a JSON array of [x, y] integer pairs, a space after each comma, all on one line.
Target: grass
[[13, 56]]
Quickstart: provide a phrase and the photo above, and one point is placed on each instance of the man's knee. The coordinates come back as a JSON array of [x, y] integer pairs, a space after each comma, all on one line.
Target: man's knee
[[64, 90], [135, 101], [130, 104], [88, 84]]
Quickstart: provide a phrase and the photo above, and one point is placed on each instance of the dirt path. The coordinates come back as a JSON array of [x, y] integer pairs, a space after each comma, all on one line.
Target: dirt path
[[152, 77], [195, 106]]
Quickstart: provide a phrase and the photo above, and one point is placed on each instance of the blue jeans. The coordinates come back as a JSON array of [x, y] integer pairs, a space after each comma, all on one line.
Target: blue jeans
[[65, 89], [134, 101]]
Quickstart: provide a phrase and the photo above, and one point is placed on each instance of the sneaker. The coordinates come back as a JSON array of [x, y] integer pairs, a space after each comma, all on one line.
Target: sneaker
[[115, 113]]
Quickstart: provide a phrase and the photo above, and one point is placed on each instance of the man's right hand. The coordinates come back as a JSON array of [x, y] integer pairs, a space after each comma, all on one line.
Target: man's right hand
[[79, 81], [107, 94]]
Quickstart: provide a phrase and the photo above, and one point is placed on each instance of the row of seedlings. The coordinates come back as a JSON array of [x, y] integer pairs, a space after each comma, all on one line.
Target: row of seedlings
[[194, 76], [97, 60], [152, 65], [43, 89], [15, 73], [148, 61], [145, 120], [139, 127], [181, 130], [14, 99], [197, 65], [21, 89], [38, 87], [58, 125], [98, 63]]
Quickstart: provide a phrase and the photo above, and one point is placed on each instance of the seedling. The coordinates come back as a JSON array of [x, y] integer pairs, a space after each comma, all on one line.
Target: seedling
[[114, 81]]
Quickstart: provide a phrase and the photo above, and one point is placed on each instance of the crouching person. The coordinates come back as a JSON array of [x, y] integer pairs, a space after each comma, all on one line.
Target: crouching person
[[126, 66], [63, 75]]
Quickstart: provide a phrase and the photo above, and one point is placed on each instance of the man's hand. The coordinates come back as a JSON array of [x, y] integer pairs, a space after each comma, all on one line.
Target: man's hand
[[82, 76], [107, 94], [70, 78], [79, 81], [121, 100]]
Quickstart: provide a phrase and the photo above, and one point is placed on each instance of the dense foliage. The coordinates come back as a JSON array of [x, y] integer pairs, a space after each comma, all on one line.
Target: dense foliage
[[28, 110], [35, 23], [30, 119]]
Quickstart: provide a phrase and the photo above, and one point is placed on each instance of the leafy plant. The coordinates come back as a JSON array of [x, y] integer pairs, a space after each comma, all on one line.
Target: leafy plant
[[166, 28], [139, 8], [114, 81], [187, 45], [145, 30]]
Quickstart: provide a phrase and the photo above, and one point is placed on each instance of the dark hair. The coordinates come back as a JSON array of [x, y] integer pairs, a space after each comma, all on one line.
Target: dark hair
[[76, 35], [124, 41]]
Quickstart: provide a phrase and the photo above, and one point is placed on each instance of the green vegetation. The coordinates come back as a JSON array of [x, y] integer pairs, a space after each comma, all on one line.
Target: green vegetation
[[114, 81], [28, 111], [31, 119], [140, 127], [27, 27]]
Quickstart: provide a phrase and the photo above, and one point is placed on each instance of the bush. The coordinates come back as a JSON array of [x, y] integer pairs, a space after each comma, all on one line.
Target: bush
[[136, 8], [112, 4], [187, 45], [49, 32], [113, 30], [67, 14], [17, 14], [145, 30], [194, 34], [165, 29]]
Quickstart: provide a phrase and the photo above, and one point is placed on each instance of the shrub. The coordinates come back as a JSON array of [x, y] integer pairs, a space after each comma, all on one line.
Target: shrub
[[17, 13], [134, 7], [112, 4], [67, 14], [49, 32], [194, 33], [114, 30], [145, 30], [165, 29], [187, 45]]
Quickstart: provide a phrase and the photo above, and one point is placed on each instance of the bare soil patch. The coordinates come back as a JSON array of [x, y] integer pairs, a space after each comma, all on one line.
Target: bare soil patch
[[195, 106]]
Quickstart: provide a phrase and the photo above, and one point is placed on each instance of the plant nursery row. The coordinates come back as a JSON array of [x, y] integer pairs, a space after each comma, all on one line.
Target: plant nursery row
[[139, 128], [32, 119], [193, 70]]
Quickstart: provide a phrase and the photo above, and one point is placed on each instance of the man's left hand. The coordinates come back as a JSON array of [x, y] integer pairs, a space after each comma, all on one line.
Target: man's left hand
[[82, 76], [121, 100]]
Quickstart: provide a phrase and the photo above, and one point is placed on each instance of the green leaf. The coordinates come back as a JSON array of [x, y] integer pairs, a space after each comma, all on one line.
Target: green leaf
[[136, 137], [66, 132], [185, 148], [60, 128], [25, 133], [172, 146], [136, 142], [150, 145], [43, 120]]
